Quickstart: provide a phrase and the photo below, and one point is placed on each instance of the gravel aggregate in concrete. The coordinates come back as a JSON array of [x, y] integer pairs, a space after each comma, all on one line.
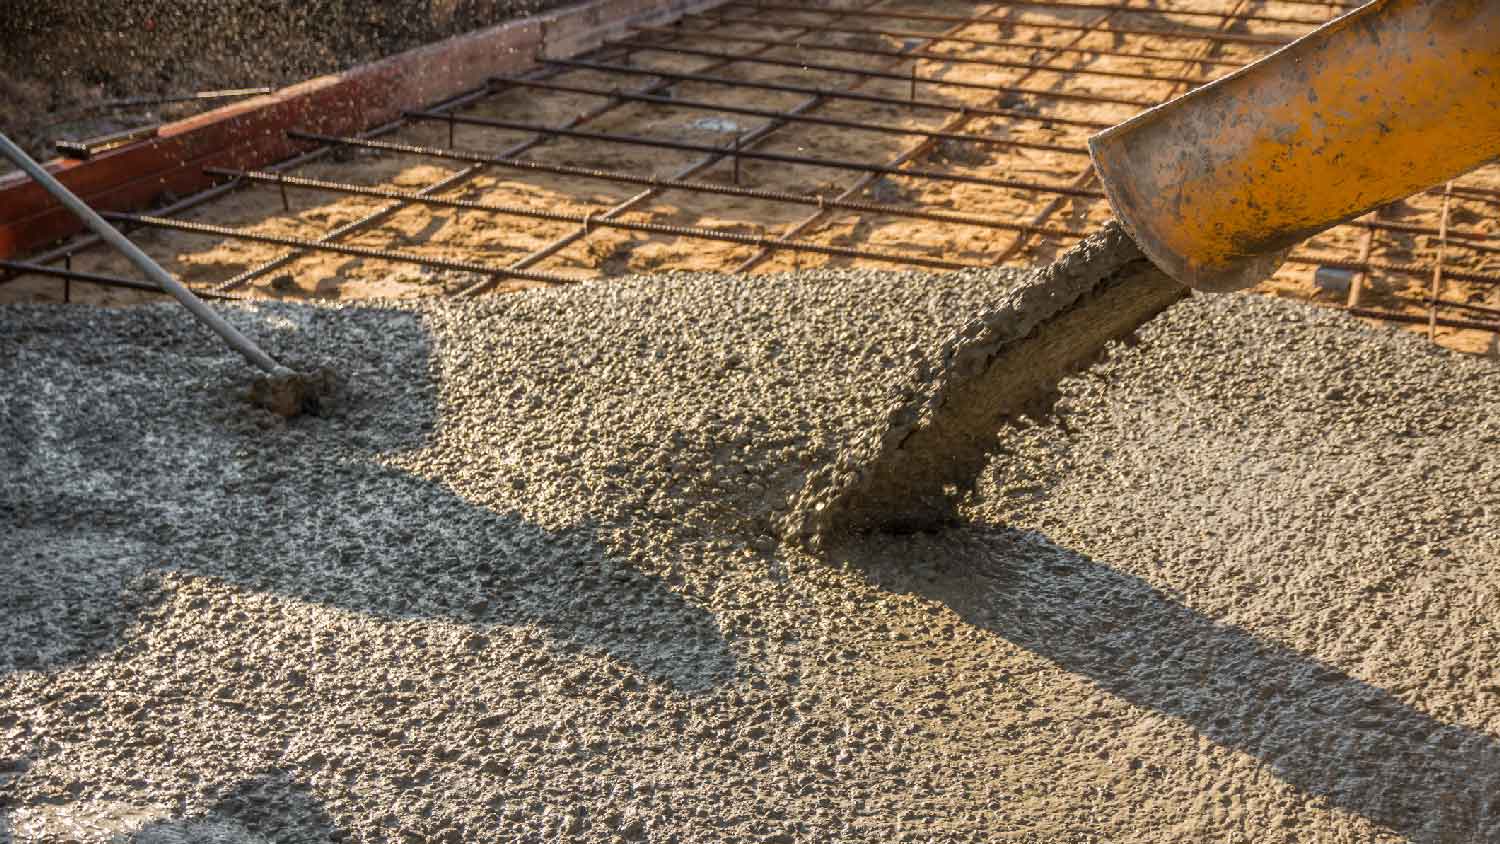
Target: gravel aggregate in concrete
[[522, 584]]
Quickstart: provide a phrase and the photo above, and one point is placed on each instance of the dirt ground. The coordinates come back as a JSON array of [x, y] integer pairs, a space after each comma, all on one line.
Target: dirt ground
[[502, 240]]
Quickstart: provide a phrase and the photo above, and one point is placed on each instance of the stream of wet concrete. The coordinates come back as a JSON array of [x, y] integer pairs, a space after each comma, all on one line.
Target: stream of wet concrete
[[911, 470]]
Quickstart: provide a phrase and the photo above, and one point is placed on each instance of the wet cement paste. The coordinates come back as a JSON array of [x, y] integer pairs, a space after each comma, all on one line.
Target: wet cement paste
[[910, 472], [522, 583]]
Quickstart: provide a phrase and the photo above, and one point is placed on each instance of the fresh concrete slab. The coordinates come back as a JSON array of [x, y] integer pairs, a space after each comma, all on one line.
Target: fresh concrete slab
[[523, 583]]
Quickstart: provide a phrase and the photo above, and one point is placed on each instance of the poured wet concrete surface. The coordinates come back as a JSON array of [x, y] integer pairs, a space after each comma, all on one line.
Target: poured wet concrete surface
[[523, 583]]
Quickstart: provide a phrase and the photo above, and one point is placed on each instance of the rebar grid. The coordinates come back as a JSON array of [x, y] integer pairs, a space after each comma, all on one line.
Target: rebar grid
[[585, 220], [1152, 10], [717, 19], [1088, 175], [913, 78], [958, 121], [926, 55], [84, 242], [912, 102], [753, 155], [810, 103], [686, 185], [77, 245], [1217, 36], [750, 111], [446, 183], [1047, 106]]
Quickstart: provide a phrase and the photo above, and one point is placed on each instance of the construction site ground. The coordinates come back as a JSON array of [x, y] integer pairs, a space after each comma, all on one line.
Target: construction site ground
[[780, 35], [521, 580]]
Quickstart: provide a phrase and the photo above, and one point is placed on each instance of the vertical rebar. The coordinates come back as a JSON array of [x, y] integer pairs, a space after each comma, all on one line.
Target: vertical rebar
[[1437, 267], [1357, 283], [286, 202]]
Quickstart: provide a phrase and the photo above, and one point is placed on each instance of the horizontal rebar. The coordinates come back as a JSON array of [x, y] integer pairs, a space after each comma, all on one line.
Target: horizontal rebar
[[887, 128], [757, 155], [1485, 195], [1186, 13], [1413, 270], [337, 248], [1215, 36], [911, 78], [593, 220], [916, 55], [1423, 319], [724, 20], [22, 268], [69, 115], [1322, 4], [1462, 238], [1105, 7], [831, 93], [1428, 301], [689, 186]]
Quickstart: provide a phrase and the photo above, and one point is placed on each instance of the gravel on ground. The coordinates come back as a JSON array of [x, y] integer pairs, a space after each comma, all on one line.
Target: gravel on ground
[[59, 60], [522, 583]]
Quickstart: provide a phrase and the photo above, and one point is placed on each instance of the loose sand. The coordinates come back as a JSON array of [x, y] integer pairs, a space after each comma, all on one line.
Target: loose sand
[[523, 587]]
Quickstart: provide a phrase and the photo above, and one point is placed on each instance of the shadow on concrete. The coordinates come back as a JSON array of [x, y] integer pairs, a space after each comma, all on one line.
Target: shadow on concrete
[[169, 474], [267, 809], [1318, 729]]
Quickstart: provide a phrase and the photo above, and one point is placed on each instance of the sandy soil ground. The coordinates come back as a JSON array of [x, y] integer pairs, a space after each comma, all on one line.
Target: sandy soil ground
[[521, 586], [502, 240]]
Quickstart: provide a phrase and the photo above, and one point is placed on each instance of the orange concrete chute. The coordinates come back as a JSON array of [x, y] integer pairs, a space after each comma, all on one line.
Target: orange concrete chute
[[1385, 101]]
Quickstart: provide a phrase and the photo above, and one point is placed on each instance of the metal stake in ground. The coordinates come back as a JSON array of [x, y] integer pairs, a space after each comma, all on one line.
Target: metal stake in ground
[[285, 392]]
